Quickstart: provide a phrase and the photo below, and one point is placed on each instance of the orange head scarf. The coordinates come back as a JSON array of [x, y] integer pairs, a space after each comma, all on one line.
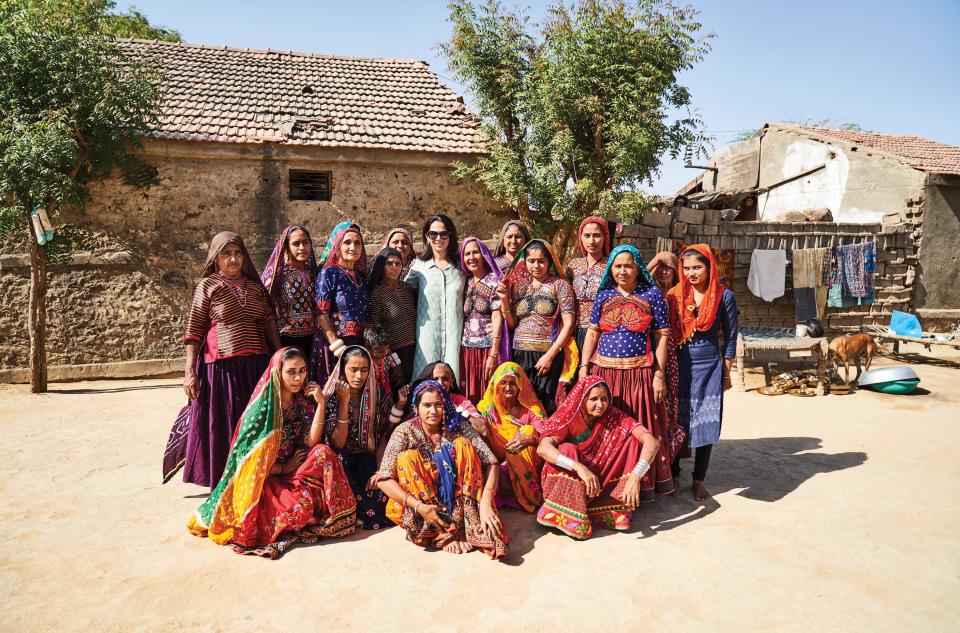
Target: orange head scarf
[[683, 323]]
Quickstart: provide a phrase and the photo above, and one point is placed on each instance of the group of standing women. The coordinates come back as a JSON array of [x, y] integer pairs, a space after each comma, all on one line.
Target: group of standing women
[[430, 390]]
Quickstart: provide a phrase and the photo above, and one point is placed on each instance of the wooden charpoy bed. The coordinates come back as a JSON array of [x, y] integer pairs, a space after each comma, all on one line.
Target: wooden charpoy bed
[[760, 345]]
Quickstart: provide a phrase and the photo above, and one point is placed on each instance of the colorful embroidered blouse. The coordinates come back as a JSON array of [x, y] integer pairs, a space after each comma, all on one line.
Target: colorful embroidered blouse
[[343, 297], [295, 314], [478, 306], [297, 419], [229, 316], [410, 436], [625, 325], [503, 263], [353, 443], [537, 308], [585, 280]]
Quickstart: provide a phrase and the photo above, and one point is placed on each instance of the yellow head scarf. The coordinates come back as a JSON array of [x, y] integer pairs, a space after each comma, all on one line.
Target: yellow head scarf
[[491, 403]]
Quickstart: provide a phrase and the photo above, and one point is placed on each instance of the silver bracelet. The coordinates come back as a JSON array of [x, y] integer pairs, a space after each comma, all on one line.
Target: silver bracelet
[[565, 462], [641, 468]]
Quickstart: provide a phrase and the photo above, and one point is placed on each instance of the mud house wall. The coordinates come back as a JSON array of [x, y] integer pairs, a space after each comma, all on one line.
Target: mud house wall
[[894, 279], [124, 296], [856, 185], [939, 256]]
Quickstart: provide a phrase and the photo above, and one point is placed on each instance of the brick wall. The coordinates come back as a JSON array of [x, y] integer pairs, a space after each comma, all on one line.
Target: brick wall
[[896, 258]]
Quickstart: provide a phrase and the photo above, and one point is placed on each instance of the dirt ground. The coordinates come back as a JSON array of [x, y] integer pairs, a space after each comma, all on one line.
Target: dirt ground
[[829, 514]]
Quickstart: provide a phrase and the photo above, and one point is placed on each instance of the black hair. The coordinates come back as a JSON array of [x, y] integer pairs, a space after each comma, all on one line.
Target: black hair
[[453, 245], [540, 246], [427, 374], [430, 389], [501, 250], [379, 263], [291, 353], [374, 337], [354, 352], [692, 253]]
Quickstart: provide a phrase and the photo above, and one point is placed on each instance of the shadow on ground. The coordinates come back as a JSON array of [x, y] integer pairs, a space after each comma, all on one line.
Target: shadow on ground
[[914, 358], [763, 469], [87, 390]]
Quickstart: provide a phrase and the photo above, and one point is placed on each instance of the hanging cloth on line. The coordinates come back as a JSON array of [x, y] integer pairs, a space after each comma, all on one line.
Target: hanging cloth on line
[[767, 273]]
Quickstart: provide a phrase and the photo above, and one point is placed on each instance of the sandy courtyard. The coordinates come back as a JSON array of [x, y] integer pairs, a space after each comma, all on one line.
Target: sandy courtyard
[[830, 514]]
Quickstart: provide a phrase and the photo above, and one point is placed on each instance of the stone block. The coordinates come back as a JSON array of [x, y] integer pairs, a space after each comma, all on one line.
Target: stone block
[[818, 215], [656, 219], [892, 218], [690, 216], [709, 229], [678, 229], [711, 216], [630, 230]]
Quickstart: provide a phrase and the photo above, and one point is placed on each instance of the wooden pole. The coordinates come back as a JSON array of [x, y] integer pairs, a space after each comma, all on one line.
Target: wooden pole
[[38, 311]]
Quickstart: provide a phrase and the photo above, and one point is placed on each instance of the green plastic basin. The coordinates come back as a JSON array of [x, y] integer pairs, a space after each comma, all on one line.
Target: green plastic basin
[[896, 387]]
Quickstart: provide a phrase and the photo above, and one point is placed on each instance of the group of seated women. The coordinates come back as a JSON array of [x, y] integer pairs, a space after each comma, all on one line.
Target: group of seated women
[[433, 392]]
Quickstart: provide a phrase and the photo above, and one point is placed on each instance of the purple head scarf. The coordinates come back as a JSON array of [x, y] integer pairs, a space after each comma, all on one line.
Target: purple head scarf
[[279, 258], [492, 268]]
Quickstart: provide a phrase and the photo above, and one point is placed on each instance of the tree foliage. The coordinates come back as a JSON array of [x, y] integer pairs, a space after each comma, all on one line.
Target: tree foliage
[[72, 106], [135, 24], [580, 110]]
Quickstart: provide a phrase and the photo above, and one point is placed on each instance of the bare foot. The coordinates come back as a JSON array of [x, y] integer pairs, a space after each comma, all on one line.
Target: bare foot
[[676, 483], [700, 492], [458, 547]]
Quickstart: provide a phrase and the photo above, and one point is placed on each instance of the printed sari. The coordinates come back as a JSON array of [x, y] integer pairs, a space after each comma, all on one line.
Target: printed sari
[[264, 514], [450, 475], [608, 448], [523, 468]]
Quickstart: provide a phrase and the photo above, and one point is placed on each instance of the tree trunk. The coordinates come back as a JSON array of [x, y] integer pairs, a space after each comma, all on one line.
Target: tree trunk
[[38, 312]]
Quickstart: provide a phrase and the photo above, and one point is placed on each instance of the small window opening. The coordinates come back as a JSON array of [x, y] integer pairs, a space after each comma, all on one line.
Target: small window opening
[[310, 185]]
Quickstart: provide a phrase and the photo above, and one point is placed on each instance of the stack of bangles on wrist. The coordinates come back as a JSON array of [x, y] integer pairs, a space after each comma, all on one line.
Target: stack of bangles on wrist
[[337, 345], [641, 468], [396, 415]]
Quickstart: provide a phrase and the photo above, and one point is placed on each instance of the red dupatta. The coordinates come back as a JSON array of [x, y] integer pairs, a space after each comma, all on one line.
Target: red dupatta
[[607, 434], [683, 323], [604, 229]]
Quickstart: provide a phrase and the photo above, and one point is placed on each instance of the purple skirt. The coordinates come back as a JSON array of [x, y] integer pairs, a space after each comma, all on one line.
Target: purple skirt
[[225, 389]]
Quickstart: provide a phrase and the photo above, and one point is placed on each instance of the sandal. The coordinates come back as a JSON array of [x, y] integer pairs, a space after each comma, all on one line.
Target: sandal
[[771, 390]]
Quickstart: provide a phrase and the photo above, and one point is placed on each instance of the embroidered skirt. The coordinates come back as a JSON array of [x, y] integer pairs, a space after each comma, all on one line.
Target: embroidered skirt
[[418, 476], [565, 502], [371, 504], [313, 503], [632, 392]]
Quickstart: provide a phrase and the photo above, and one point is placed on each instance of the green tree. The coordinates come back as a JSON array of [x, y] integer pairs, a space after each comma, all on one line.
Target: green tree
[[135, 24], [72, 110], [580, 110]]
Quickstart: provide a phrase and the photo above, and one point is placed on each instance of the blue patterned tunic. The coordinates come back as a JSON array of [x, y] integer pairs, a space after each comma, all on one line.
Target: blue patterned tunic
[[701, 374]]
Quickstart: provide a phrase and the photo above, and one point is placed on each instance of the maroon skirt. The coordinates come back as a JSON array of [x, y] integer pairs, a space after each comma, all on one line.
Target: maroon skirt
[[472, 384], [632, 391], [225, 388]]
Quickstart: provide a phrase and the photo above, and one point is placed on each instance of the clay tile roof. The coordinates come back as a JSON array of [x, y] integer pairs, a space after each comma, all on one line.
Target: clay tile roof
[[914, 151], [243, 96]]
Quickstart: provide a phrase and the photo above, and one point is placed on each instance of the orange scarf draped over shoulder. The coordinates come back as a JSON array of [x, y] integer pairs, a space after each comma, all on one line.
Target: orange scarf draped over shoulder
[[683, 322]]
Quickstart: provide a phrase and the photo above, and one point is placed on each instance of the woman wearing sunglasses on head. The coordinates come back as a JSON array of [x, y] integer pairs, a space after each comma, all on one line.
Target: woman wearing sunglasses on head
[[438, 281]]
